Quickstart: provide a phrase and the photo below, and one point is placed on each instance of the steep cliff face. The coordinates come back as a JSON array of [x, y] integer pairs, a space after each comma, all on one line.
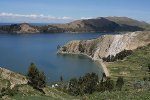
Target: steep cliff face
[[14, 78], [107, 44]]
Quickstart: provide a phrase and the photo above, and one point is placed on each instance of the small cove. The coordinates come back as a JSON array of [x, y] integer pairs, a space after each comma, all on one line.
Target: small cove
[[18, 51]]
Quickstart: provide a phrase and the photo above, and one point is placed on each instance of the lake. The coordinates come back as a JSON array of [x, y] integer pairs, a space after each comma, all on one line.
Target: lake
[[18, 51]]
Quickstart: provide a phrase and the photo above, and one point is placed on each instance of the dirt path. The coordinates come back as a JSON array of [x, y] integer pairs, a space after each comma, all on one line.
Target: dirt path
[[101, 63]]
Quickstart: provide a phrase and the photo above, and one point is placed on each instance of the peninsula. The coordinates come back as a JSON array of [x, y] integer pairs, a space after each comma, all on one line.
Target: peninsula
[[107, 46]]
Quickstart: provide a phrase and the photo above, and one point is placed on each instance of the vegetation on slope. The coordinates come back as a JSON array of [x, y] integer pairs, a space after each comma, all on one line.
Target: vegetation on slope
[[36, 78], [119, 56], [129, 21], [35, 89], [132, 67], [135, 69], [133, 83]]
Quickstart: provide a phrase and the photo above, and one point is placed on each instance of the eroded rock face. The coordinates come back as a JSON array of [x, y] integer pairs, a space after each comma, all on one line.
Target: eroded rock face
[[14, 78], [107, 44]]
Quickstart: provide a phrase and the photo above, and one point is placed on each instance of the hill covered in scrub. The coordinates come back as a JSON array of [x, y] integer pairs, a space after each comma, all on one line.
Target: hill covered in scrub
[[130, 22], [14, 86], [135, 66], [100, 24]]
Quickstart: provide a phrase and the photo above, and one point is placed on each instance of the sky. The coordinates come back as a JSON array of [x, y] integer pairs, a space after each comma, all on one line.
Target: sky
[[60, 11]]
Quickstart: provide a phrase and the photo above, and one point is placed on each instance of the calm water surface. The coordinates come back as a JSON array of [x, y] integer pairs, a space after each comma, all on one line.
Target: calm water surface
[[18, 51]]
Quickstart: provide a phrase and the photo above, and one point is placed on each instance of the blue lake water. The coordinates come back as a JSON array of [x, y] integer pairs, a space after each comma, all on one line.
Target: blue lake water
[[18, 51]]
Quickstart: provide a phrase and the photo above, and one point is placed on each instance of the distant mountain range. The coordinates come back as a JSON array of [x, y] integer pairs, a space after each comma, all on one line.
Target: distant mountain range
[[100, 24]]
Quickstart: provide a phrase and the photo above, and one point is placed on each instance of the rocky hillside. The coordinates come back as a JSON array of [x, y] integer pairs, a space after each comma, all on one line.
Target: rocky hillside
[[19, 28], [107, 44], [129, 21], [14, 78], [100, 24], [13, 86]]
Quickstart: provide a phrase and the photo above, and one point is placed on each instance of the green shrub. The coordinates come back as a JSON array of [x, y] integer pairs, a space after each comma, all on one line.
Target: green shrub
[[119, 56], [36, 78], [88, 84], [74, 87], [84, 85], [108, 85], [119, 83], [81, 48], [8, 91], [64, 48], [61, 78]]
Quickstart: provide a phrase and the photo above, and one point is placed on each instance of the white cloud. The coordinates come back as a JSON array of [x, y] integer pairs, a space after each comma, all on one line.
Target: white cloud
[[86, 17], [13, 17], [34, 16]]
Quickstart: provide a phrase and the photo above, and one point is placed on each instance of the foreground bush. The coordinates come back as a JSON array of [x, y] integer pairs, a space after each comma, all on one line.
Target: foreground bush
[[89, 84], [84, 85], [36, 78]]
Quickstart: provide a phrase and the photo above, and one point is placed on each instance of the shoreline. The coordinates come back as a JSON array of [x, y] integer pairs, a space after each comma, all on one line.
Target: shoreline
[[100, 62], [104, 67]]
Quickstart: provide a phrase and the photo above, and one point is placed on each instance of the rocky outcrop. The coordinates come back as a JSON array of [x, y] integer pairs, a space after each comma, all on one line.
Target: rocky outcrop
[[19, 28], [107, 45], [26, 28], [14, 78]]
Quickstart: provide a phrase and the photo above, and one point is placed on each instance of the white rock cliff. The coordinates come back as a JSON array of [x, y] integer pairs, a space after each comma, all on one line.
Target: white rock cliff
[[107, 45]]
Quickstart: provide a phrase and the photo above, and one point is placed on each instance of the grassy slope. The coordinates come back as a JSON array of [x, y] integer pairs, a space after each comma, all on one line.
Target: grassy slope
[[121, 95], [26, 92], [133, 67]]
